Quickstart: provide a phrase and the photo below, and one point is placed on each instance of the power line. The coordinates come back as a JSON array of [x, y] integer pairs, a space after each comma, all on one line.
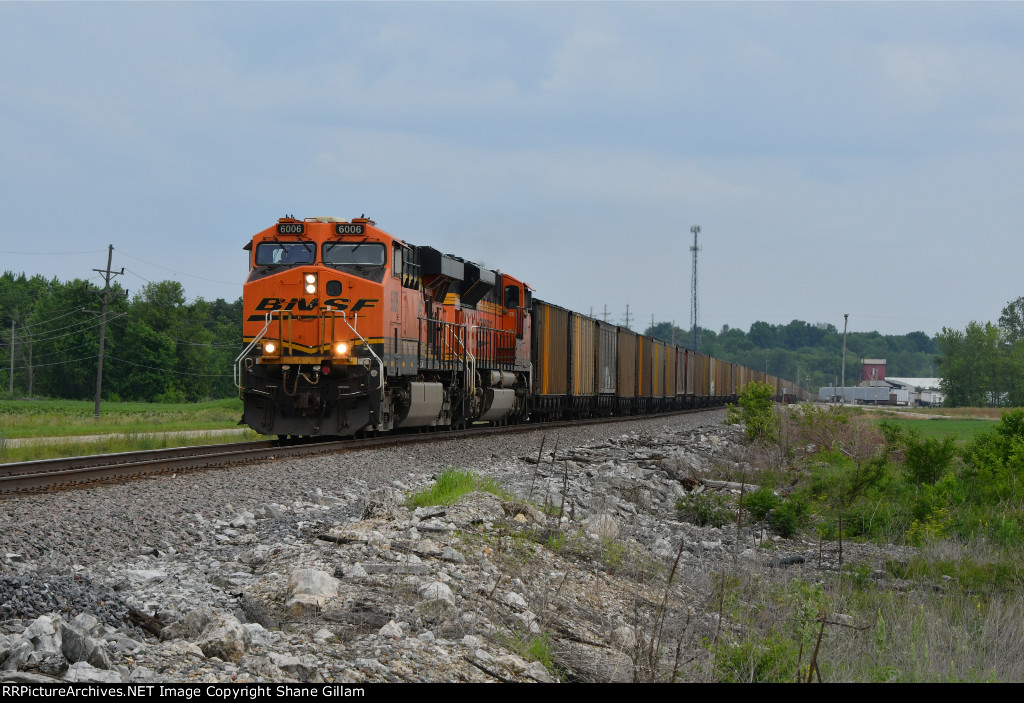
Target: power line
[[54, 363], [76, 331], [217, 345], [176, 373], [52, 319], [50, 253], [180, 273]]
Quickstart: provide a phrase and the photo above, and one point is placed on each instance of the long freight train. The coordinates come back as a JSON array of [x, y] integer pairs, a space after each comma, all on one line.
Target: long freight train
[[350, 330]]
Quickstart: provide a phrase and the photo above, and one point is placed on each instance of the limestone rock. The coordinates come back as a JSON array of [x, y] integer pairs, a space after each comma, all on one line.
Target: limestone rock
[[515, 600], [190, 626], [391, 629], [453, 556], [83, 672], [309, 590], [76, 646], [225, 638], [44, 634], [437, 591], [604, 526]]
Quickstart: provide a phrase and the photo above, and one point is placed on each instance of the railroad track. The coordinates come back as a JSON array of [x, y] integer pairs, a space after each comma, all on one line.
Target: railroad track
[[50, 474]]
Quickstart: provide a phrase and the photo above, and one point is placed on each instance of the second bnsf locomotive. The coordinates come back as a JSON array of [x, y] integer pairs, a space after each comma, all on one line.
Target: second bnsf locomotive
[[350, 330]]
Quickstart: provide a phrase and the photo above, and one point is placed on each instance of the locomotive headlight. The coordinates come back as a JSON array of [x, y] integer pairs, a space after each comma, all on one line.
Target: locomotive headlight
[[340, 348], [311, 283], [269, 348]]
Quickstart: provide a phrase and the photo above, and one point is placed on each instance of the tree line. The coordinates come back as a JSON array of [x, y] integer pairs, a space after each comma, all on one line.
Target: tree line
[[983, 364], [158, 347], [811, 354], [161, 348]]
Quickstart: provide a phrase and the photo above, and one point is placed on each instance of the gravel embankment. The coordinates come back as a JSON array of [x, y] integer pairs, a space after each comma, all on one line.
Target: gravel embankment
[[311, 569]]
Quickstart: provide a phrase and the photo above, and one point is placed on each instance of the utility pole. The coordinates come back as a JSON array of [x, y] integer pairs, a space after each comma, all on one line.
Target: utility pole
[[694, 334], [11, 390], [108, 276], [627, 316], [604, 315], [845, 318]]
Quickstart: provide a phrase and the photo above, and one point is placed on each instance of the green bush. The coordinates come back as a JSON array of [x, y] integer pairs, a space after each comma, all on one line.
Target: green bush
[[789, 517], [758, 503], [928, 459], [758, 412], [705, 509]]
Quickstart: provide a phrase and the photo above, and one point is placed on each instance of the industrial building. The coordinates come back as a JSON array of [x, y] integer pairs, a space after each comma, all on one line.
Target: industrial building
[[875, 389]]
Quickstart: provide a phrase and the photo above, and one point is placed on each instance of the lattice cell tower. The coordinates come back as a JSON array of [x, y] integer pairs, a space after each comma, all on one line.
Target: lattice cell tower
[[694, 327]]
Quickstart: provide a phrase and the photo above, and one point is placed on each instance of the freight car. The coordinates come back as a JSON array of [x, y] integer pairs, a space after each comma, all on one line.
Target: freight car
[[349, 330]]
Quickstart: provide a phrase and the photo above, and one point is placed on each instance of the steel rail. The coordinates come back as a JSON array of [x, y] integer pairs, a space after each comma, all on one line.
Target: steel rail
[[48, 474]]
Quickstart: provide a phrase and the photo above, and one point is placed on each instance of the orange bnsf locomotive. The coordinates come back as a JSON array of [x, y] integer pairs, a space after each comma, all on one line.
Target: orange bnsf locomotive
[[350, 330]]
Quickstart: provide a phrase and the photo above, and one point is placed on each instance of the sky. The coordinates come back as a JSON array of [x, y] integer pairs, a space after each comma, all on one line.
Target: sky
[[840, 158]]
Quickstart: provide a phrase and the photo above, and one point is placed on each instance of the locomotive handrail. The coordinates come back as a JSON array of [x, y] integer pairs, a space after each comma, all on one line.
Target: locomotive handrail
[[470, 381], [237, 368], [344, 318]]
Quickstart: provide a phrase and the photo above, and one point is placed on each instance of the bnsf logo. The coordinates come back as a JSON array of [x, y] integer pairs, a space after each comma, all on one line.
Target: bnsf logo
[[268, 304]]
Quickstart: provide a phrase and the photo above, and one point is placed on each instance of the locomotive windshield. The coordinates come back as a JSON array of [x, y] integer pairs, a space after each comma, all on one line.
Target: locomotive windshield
[[355, 253], [287, 253]]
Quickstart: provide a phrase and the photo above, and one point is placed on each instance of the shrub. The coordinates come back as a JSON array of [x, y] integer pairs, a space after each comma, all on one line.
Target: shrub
[[760, 502], [927, 459], [788, 517], [758, 412], [705, 509]]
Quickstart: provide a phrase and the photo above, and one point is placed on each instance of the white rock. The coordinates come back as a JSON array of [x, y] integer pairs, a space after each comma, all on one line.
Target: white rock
[[145, 577], [82, 672], [309, 590], [453, 556], [437, 591], [515, 600], [391, 629], [259, 635], [224, 638]]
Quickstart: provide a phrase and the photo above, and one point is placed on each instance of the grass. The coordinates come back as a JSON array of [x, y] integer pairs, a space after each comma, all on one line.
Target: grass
[[451, 485], [68, 418], [113, 445], [962, 429]]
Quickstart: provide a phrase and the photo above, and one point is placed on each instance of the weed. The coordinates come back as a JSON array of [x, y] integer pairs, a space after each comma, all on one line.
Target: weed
[[451, 485], [612, 553], [705, 509], [758, 412]]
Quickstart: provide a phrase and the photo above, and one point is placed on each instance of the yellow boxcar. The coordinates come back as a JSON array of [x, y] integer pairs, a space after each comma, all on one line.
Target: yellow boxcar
[[626, 386], [582, 355], [606, 357], [644, 363], [657, 368], [551, 335], [701, 379], [670, 371]]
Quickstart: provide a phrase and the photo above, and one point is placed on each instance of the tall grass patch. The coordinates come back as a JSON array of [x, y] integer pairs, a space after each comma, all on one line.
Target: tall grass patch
[[453, 484]]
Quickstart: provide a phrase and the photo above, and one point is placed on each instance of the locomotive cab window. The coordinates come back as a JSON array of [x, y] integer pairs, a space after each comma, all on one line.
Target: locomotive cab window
[[355, 253], [285, 253], [511, 297], [396, 260]]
